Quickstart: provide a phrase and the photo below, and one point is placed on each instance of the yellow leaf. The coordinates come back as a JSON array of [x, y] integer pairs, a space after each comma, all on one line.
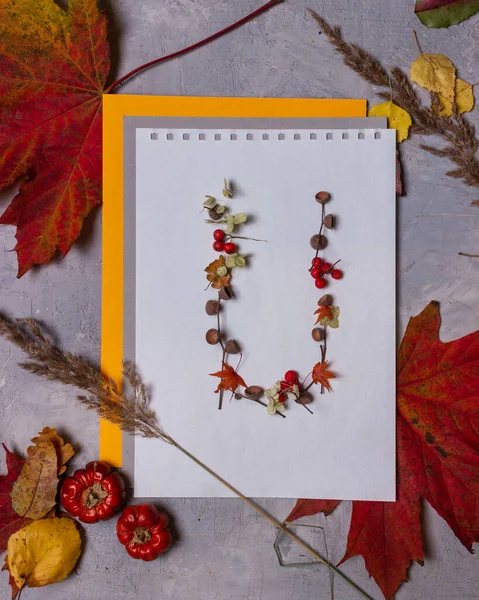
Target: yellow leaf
[[463, 98], [45, 552], [398, 119], [64, 451], [34, 492], [436, 73]]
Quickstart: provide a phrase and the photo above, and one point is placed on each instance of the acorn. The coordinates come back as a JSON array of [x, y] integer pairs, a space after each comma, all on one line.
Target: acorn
[[212, 307], [322, 197], [212, 336], [328, 221], [304, 398], [325, 300], [213, 215], [231, 347], [254, 392], [317, 334], [225, 293], [318, 242]]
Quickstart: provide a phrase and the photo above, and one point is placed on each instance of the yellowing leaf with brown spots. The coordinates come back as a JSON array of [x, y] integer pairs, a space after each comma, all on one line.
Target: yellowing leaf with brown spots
[[45, 552], [34, 493], [436, 73], [64, 451], [463, 99], [398, 119]]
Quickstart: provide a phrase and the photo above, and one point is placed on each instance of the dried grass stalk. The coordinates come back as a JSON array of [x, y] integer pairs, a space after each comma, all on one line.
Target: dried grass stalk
[[459, 135], [129, 411]]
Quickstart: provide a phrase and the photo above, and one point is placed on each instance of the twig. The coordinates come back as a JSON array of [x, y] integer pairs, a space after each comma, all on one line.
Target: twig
[[223, 358]]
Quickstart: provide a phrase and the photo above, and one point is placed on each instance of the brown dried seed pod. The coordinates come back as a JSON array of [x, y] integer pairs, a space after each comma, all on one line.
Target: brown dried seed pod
[[325, 300], [212, 307], [238, 396], [318, 242], [225, 293], [304, 398], [317, 334], [231, 347], [322, 197], [329, 221], [213, 215], [254, 392], [212, 336]]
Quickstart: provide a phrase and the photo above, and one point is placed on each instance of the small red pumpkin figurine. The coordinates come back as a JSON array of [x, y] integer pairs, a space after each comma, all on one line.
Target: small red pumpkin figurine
[[143, 530], [93, 493]]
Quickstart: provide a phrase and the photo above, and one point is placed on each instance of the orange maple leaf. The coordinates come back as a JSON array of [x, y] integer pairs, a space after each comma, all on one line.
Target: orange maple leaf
[[323, 311], [217, 281], [229, 379], [321, 375]]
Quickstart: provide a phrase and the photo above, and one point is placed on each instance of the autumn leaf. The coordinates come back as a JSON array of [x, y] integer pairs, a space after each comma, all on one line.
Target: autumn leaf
[[305, 507], [399, 184], [64, 451], [45, 552], [10, 521], [437, 430], [11, 581], [436, 73], [321, 375], [398, 118], [229, 379], [218, 280], [443, 13], [323, 312], [33, 494], [54, 67], [463, 99]]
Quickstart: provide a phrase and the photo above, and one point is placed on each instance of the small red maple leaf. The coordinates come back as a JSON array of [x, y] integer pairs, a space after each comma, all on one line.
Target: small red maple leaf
[[322, 376], [229, 379], [10, 522]]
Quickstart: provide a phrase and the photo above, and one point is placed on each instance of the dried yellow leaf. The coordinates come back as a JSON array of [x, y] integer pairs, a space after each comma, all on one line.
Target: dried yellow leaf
[[463, 99], [45, 552], [33, 494], [436, 73], [398, 118], [64, 451]]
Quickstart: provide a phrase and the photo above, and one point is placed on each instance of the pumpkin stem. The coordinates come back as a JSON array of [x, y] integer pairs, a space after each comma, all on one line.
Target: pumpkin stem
[[142, 536], [94, 495]]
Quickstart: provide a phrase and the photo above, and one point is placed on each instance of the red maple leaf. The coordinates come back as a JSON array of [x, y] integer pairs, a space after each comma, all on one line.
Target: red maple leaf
[[437, 454], [54, 67], [229, 379], [10, 522], [322, 375]]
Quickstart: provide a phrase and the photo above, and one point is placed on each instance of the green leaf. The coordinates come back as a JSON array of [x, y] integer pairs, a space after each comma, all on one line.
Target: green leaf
[[240, 262], [230, 225], [240, 218], [334, 323], [221, 271], [220, 208], [226, 191], [231, 261], [209, 202], [445, 12]]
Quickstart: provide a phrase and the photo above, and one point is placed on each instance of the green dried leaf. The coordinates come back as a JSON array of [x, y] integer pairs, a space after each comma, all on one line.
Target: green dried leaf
[[240, 218], [209, 202], [240, 262], [220, 208], [222, 271], [230, 224], [231, 261], [227, 193]]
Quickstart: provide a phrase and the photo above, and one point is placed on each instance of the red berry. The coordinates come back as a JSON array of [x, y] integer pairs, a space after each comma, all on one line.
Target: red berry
[[291, 377], [337, 274], [218, 246], [219, 235], [316, 262], [315, 272], [325, 267], [320, 283], [230, 248], [284, 385], [281, 397]]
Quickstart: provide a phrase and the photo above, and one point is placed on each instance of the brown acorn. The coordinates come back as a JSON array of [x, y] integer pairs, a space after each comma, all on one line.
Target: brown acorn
[[254, 392], [318, 242], [231, 347], [317, 334], [322, 197], [325, 300], [304, 398], [225, 293], [329, 221], [212, 307], [213, 215], [212, 336]]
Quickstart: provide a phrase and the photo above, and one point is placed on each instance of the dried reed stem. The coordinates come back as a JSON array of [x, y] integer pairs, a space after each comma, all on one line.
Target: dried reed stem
[[460, 136], [129, 411]]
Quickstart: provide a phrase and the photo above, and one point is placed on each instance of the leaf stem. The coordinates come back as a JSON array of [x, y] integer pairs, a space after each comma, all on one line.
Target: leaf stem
[[221, 393], [207, 40], [470, 255], [417, 42]]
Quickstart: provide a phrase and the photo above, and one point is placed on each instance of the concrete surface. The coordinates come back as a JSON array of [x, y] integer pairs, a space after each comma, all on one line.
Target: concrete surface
[[224, 550]]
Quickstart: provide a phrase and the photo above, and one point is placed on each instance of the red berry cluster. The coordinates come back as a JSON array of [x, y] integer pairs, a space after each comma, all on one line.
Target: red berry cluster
[[219, 244], [290, 378], [322, 268]]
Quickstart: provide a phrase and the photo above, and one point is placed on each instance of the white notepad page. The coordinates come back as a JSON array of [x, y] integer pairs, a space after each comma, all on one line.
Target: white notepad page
[[346, 449]]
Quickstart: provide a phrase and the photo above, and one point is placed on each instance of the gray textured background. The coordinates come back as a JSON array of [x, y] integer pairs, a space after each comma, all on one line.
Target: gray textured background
[[223, 549]]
